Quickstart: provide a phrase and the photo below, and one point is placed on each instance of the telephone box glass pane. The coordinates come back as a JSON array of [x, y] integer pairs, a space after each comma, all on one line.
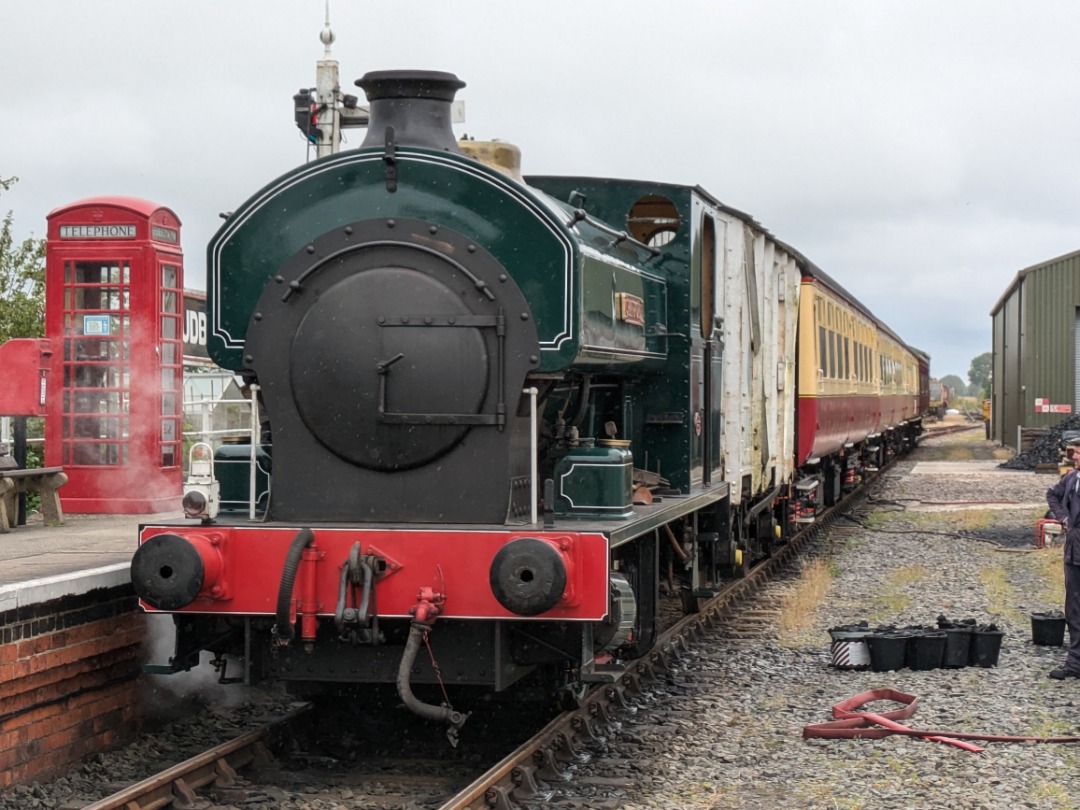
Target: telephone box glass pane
[[97, 352]]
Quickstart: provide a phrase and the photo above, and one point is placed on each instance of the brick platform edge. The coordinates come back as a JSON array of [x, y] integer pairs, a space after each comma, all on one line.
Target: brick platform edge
[[68, 670]]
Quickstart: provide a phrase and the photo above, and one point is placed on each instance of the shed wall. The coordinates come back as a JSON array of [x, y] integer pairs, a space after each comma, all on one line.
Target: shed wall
[[1035, 339]]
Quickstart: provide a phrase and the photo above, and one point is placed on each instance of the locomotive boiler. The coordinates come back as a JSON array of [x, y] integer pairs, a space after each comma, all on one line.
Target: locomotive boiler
[[501, 413]]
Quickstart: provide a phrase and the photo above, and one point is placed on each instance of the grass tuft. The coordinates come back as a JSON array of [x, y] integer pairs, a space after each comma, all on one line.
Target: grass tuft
[[800, 604], [1001, 596], [1049, 567], [894, 597]]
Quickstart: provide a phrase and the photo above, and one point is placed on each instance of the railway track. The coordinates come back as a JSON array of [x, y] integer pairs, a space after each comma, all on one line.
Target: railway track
[[176, 786], [945, 430], [523, 776]]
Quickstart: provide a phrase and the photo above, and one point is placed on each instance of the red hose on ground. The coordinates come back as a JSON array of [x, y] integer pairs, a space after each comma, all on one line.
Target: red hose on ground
[[853, 724]]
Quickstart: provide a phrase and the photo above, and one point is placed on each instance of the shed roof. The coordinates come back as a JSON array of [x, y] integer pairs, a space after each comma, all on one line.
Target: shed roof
[[1019, 278]]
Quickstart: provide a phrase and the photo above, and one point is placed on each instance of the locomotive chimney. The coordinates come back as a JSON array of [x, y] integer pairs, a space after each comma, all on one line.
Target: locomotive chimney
[[416, 103]]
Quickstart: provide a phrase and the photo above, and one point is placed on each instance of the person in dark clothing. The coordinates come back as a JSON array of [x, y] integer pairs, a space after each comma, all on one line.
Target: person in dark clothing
[[1064, 501]]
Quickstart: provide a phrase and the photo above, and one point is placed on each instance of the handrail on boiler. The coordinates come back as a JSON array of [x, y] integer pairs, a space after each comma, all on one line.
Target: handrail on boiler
[[533, 476]]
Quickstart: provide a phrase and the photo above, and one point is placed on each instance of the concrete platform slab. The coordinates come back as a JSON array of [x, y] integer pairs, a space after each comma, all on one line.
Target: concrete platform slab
[[966, 468], [39, 562]]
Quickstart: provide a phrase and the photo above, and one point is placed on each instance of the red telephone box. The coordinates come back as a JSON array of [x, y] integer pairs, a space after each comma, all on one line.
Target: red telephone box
[[114, 281]]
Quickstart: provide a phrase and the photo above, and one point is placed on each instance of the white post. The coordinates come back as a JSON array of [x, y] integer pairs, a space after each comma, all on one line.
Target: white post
[[204, 420], [533, 473], [254, 449], [327, 95]]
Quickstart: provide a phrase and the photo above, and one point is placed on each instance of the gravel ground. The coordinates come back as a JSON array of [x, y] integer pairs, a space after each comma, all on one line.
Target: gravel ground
[[733, 734], [948, 532]]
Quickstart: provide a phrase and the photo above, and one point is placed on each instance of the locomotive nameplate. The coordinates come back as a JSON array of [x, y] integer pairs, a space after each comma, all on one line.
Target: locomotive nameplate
[[630, 309], [666, 418]]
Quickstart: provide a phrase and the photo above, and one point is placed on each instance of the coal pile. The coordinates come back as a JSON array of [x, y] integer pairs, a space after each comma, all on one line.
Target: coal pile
[[1044, 450]]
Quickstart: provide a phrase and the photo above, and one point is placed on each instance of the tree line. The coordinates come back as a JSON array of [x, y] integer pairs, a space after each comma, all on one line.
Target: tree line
[[980, 376], [22, 280]]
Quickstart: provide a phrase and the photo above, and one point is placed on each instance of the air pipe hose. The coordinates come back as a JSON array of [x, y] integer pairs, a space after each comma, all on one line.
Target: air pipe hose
[[283, 629], [431, 712]]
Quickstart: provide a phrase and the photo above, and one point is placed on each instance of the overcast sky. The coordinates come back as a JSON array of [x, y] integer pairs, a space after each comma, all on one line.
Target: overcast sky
[[920, 151]]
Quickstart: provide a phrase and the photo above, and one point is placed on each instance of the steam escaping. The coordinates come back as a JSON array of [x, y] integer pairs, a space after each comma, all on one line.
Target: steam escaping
[[166, 696]]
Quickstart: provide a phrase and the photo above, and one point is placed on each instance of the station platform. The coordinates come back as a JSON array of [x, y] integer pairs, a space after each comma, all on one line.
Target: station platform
[[39, 563]]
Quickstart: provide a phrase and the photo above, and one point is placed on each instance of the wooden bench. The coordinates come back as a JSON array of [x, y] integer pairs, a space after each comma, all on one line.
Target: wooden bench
[[46, 481]]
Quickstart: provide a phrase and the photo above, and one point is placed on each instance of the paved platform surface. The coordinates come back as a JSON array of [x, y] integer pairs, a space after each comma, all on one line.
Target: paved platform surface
[[39, 562], [969, 467]]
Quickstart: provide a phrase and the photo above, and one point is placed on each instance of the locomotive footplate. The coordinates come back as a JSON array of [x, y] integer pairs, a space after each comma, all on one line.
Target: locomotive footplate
[[653, 516]]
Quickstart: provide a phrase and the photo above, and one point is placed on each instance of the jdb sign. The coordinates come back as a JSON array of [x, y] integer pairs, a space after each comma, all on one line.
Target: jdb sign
[[195, 326]]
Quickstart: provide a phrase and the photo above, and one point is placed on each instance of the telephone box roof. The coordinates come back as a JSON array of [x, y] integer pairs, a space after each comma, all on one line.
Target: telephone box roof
[[135, 205]]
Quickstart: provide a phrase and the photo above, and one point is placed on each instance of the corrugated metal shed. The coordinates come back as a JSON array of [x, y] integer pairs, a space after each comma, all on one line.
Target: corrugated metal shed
[[1036, 331]]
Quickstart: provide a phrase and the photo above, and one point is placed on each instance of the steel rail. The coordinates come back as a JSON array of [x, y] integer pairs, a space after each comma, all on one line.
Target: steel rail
[[176, 786], [931, 432]]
